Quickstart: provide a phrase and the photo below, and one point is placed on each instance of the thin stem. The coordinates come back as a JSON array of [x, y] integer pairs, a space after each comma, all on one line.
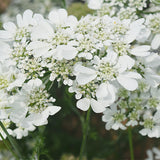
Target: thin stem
[[130, 143], [64, 4], [85, 134], [74, 109], [11, 140], [8, 147]]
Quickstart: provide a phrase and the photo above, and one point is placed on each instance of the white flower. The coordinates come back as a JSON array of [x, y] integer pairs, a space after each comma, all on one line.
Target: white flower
[[154, 132], [13, 32], [113, 118], [152, 22], [39, 119], [151, 125], [10, 76], [38, 103], [20, 132]]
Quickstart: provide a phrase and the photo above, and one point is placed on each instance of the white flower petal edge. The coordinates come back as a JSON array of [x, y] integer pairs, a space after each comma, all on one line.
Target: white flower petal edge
[[156, 42]]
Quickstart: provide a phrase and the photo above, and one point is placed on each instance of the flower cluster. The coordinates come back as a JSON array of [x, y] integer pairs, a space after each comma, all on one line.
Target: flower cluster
[[110, 62], [24, 101], [139, 105]]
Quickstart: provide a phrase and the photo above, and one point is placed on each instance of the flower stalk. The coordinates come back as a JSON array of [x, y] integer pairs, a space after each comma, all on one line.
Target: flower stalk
[[11, 140], [130, 143], [8, 147], [85, 134], [64, 3]]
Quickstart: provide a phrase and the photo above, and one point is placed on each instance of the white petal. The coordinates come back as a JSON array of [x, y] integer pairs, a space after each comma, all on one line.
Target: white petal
[[84, 74], [51, 110], [39, 48], [111, 56], [156, 42], [127, 82], [153, 79], [132, 75], [9, 26], [19, 21], [79, 68], [135, 28], [42, 31], [67, 52], [95, 4], [125, 62], [83, 78], [58, 16], [83, 104], [106, 94], [27, 17], [97, 106], [37, 119], [5, 35], [141, 51], [102, 91], [5, 51]]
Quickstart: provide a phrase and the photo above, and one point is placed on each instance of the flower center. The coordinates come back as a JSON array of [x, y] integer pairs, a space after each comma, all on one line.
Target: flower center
[[3, 82], [148, 123], [106, 72], [21, 33], [38, 101]]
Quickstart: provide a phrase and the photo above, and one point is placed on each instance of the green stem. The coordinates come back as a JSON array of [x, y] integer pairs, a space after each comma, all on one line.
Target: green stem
[[11, 140], [85, 134], [8, 147], [64, 4], [130, 143]]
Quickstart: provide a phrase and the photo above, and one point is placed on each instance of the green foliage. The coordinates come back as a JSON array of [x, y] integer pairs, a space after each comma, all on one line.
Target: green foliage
[[79, 10]]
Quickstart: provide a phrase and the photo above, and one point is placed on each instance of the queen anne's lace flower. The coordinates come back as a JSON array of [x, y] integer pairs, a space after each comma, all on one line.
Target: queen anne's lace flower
[[109, 60]]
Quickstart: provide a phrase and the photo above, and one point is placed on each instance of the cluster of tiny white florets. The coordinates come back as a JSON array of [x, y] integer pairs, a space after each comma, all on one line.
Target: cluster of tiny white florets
[[153, 22], [130, 107], [25, 104], [24, 101], [109, 60]]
